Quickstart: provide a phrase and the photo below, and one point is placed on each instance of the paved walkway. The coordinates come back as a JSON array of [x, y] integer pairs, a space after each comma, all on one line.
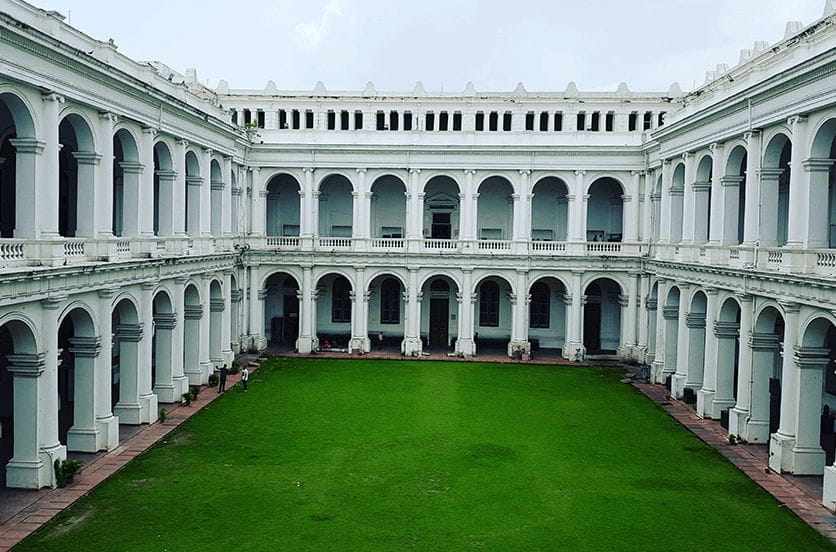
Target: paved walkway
[[799, 494], [25, 511]]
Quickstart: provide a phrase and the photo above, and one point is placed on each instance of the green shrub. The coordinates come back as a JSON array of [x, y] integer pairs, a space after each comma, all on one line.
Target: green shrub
[[235, 367], [213, 380], [162, 414], [195, 390], [65, 471], [187, 398]]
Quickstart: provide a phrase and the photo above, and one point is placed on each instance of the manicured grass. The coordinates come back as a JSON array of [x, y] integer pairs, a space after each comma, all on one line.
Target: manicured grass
[[373, 455]]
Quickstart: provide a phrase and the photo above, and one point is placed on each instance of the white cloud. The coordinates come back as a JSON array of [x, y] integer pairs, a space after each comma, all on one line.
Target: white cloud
[[309, 34]]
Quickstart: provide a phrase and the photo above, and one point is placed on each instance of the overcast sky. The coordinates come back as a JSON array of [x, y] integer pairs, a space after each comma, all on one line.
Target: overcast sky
[[495, 43]]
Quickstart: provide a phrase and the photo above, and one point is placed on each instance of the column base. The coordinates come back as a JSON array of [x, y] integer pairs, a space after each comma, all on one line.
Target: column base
[[780, 452], [359, 345], [746, 429], [737, 422], [194, 377], [83, 439], [678, 385], [628, 353], [465, 347], [829, 495], [704, 402], [521, 348], [206, 368], [306, 344], [181, 386], [108, 432], [33, 474], [657, 370], [150, 408], [807, 460], [574, 351], [236, 347], [165, 393], [411, 346], [226, 357], [128, 413], [718, 405]]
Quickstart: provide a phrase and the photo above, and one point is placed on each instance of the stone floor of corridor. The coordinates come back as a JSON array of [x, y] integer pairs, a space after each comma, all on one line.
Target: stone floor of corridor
[[23, 512]]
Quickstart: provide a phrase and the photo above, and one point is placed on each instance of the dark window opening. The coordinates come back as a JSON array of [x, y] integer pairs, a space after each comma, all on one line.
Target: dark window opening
[[282, 119], [260, 118], [493, 121], [648, 121], [609, 122], [633, 121], [558, 121], [390, 302], [235, 116], [344, 120], [443, 120], [661, 119], [457, 120], [489, 304], [381, 121], [539, 306], [393, 120], [309, 119], [480, 121], [358, 120], [407, 120], [341, 301], [581, 121], [544, 121], [595, 125], [248, 117], [529, 120], [429, 121], [507, 117], [332, 120], [296, 119]]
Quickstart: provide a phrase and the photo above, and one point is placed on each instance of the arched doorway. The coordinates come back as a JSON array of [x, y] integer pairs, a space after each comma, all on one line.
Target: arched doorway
[[492, 317], [336, 207], [549, 210], [702, 199], [216, 313], [237, 296], [79, 346], [17, 170], [387, 313], [441, 208], [547, 316], [388, 207], [127, 333], [77, 161], [677, 193], [126, 185], [438, 314], [822, 198], [283, 206], [164, 178], [670, 314], [605, 211], [216, 193], [719, 393], [281, 310], [495, 209], [602, 317], [687, 385], [734, 197], [192, 315], [194, 182], [334, 311], [775, 189]]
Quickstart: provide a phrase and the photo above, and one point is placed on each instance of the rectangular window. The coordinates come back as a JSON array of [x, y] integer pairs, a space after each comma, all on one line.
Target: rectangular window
[[234, 116], [507, 118], [260, 118], [493, 121], [332, 120], [610, 122], [538, 314], [648, 121], [480, 121], [341, 302], [429, 121], [344, 120], [544, 121], [489, 304], [393, 120], [282, 119], [457, 120], [558, 121], [358, 120], [309, 119], [529, 120], [581, 121], [596, 122], [390, 302], [407, 120], [296, 119], [443, 121], [248, 117], [633, 122], [381, 121], [661, 120]]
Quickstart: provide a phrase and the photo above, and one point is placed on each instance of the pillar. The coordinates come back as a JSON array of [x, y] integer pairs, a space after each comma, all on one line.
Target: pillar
[[360, 296], [257, 297], [807, 454], [133, 198], [412, 338], [180, 186], [167, 200], [701, 207], [717, 204], [815, 226], [128, 409], [307, 313], [707, 390], [226, 319], [147, 398], [178, 375], [226, 198], [206, 192], [574, 346], [689, 203], [467, 199], [90, 221], [259, 203], [51, 448], [648, 201], [696, 324], [205, 328], [466, 299], [644, 307], [631, 209], [41, 200], [751, 221], [165, 325], [665, 210], [519, 316], [782, 441], [27, 469], [106, 422], [216, 324], [522, 208], [629, 307], [146, 194], [682, 342], [577, 209], [740, 412], [768, 230], [83, 435], [658, 368], [799, 190], [192, 322], [103, 179], [729, 206]]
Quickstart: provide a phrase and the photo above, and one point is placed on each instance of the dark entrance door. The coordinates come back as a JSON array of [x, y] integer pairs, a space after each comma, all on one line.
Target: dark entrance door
[[291, 319], [441, 229], [774, 404], [592, 328], [439, 323]]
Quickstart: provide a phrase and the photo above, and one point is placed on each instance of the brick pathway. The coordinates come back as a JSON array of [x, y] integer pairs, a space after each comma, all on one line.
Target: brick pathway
[[795, 493], [35, 508]]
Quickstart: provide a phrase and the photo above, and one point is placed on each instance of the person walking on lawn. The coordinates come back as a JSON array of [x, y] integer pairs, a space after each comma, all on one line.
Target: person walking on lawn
[[245, 376], [222, 383]]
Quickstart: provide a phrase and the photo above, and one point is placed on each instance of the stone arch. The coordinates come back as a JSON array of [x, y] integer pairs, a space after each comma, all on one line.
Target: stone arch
[[441, 215], [77, 160], [550, 209], [439, 293], [164, 201], [18, 147], [335, 310], [192, 315], [455, 278], [493, 312], [495, 209], [547, 328], [388, 207], [281, 307], [216, 309], [126, 186], [602, 316], [387, 310], [336, 206], [489, 274], [702, 192], [194, 182], [79, 344], [283, 205], [605, 210], [734, 204], [216, 191], [165, 321], [775, 189], [822, 179]]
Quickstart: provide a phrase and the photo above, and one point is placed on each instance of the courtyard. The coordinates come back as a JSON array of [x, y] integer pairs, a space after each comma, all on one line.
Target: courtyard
[[404, 455]]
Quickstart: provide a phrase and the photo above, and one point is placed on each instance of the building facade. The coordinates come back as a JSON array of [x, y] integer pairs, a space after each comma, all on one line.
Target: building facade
[[152, 228]]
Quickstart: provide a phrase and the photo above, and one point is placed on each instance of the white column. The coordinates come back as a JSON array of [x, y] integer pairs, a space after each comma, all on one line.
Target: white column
[[147, 398], [103, 206], [782, 441], [359, 313], [799, 189], [307, 312], [739, 414], [363, 223], [309, 221], [688, 201], [658, 368], [643, 342], [178, 375], [28, 468], [415, 199], [256, 309], [226, 198], [522, 208], [807, 454], [631, 209], [178, 208], [717, 208], [647, 211], [42, 201], [467, 206], [206, 307], [682, 342], [128, 409], [701, 209], [165, 324], [665, 211], [205, 203], [412, 338], [259, 204], [226, 319], [50, 447], [519, 315], [106, 423], [466, 298], [89, 194], [577, 209], [146, 193], [629, 307], [706, 392], [816, 228], [574, 347], [751, 221], [133, 198]]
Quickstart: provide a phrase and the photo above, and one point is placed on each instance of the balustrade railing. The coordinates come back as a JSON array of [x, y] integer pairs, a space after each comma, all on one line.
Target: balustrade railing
[[12, 251], [439, 244], [388, 244], [283, 242], [603, 247], [774, 256], [74, 248], [826, 259], [546, 247], [333, 243], [495, 245]]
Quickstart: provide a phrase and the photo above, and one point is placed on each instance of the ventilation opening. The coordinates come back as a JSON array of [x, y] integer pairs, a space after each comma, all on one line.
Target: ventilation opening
[[493, 121], [407, 120], [595, 125], [661, 120], [609, 122], [309, 119], [429, 121], [358, 120], [296, 119], [581, 121], [457, 120], [507, 118], [648, 121], [558, 121], [632, 121], [480, 121], [393, 120], [529, 120], [282, 119], [332, 120], [248, 117], [344, 120], [443, 121], [544, 121], [381, 121]]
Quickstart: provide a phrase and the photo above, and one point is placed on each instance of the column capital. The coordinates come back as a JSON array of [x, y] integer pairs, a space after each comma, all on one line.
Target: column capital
[[52, 303], [817, 165], [27, 145], [789, 307], [811, 358], [52, 97], [731, 181], [797, 119], [129, 332], [87, 157], [711, 291], [131, 167], [148, 286], [526, 172], [470, 171], [26, 365], [165, 321], [687, 155], [150, 131], [360, 171], [580, 173], [306, 169], [414, 171], [637, 173], [87, 347]]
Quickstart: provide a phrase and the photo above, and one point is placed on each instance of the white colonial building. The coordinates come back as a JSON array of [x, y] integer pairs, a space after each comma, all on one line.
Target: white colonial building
[[152, 227]]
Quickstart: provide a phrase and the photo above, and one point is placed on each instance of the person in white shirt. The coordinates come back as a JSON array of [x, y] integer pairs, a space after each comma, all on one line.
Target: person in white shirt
[[245, 375]]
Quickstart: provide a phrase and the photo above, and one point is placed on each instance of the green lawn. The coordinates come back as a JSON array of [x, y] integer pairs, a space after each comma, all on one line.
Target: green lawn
[[373, 455]]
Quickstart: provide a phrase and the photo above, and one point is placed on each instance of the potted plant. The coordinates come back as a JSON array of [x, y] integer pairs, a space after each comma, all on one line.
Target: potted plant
[[65, 471]]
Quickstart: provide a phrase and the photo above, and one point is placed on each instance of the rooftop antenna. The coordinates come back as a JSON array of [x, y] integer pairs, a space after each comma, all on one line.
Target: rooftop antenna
[[442, 87], [70, 17]]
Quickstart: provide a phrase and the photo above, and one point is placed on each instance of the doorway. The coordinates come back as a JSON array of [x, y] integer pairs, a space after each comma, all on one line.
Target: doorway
[[439, 323], [441, 226]]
